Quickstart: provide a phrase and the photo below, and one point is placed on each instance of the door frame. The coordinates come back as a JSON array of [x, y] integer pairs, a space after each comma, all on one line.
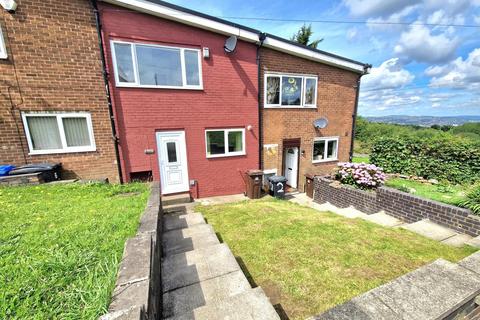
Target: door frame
[[180, 135], [291, 143]]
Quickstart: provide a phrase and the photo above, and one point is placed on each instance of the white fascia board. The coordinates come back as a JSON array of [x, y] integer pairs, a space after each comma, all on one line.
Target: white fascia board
[[312, 55], [222, 28], [185, 18]]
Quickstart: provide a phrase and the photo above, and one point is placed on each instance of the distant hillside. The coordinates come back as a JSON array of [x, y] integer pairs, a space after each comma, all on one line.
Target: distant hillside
[[425, 121]]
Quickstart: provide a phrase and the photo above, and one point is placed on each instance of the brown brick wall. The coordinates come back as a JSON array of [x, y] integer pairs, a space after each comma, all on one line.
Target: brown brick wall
[[52, 46], [335, 101]]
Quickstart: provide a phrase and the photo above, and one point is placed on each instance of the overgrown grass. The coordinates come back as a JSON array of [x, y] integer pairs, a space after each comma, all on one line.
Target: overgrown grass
[[446, 193], [60, 246], [309, 261]]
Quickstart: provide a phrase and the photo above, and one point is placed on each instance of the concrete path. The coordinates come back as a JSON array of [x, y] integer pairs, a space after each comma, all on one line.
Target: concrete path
[[201, 278], [425, 227]]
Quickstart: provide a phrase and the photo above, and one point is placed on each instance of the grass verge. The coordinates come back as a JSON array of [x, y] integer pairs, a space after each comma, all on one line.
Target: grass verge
[[60, 246], [309, 261]]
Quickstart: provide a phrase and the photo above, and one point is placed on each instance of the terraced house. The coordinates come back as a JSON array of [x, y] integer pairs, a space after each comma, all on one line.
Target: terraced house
[[192, 100]]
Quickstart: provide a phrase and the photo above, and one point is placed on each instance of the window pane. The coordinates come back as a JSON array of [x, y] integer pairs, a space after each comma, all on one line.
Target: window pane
[[332, 149], [44, 133], [291, 91], [310, 88], [172, 152], [215, 142], [273, 90], [191, 67], [76, 132], [123, 56], [159, 66], [235, 141], [318, 150]]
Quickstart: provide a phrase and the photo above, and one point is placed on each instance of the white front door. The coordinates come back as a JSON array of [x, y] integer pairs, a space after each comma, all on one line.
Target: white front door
[[291, 166], [172, 155]]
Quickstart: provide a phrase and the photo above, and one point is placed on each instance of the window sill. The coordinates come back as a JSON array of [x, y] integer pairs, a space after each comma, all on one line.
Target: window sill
[[157, 87], [325, 161], [45, 152], [226, 155]]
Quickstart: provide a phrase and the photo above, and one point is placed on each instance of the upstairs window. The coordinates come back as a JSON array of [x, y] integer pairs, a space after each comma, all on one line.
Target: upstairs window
[[145, 65], [325, 149], [291, 91], [58, 132], [3, 48], [225, 142]]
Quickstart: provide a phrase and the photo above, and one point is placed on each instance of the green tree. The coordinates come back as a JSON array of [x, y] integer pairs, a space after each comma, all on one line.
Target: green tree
[[303, 36]]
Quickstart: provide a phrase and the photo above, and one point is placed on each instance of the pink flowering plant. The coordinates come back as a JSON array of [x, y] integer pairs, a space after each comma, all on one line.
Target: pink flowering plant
[[361, 175]]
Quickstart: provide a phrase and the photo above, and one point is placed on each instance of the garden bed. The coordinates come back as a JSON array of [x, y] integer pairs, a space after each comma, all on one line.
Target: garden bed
[[60, 246], [309, 261]]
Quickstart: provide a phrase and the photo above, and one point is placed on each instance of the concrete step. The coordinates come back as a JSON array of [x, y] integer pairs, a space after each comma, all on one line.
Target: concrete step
[[249, 305], [187, 239], [430, 230], [207, 292], [183, 269], [474, 242], [169, 200], [180, 221], [383, 219]]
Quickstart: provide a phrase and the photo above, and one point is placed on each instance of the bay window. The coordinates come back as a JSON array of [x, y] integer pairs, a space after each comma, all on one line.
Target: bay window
[[225, 142], [325, 149], [293, 91], [154, 66], [58, 132]]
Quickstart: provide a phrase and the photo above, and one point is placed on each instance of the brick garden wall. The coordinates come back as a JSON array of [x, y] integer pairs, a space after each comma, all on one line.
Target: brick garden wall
[[335, 101], [401, 205], [54, 65]]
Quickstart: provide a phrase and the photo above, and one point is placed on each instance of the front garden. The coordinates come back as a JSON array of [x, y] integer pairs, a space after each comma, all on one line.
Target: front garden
[[309, 261], [60, 246]]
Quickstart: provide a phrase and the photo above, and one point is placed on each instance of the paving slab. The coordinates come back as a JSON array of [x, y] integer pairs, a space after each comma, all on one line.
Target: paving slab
[[203, 293], [135, 263], [458, 240], [250, 305], [180, 221], [134, 294], [474, 242], [383, 219], [430, 230], [472, 262], [183, 240], [430, 292], [222, 199], [128, 314], [190, 267]]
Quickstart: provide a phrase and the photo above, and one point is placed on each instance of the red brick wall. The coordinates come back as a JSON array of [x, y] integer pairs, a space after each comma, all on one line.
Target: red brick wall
[[229, 99], [53, 47], [335, 101]]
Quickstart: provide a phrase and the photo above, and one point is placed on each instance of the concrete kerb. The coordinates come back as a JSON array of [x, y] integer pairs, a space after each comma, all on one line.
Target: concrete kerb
[[134, 281]]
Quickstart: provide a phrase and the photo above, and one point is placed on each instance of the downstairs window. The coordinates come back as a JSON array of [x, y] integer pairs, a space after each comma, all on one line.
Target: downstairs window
[[225, 142]]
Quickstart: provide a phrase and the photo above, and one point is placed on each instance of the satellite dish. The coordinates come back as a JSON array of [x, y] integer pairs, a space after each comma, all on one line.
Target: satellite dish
[[230, 44], [320, 123]]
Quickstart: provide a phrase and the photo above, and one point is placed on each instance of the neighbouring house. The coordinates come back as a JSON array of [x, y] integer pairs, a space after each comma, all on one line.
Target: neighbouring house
[[53, 106], [308, 107]]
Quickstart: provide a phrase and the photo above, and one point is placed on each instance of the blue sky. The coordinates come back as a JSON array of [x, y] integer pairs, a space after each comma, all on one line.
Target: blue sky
[[417, 69]]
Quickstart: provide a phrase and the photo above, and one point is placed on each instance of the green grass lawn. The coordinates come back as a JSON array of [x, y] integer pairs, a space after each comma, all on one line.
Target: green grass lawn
[[450, 194], [358, 159], [60, 246], [309, 261]]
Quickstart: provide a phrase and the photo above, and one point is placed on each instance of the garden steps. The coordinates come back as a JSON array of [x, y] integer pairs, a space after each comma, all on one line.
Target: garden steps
[[176, 199], [182, 220], [430, 230], [188, 239], [249, 305], [383, 219]]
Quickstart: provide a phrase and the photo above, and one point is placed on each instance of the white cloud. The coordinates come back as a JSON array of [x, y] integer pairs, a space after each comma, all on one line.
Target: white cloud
[[352, 34], [389, 74], [419, 44], [442, 17], [376, 8], [476, 19], [459, 74]]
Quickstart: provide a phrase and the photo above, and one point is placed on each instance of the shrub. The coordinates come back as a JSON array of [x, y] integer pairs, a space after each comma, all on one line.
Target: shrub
[[473, 201], [361, 175], [454, 159]]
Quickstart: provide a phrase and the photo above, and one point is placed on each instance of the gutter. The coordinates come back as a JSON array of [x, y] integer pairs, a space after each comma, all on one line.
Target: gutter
[[261, 38], [107, 88], [366, 69]]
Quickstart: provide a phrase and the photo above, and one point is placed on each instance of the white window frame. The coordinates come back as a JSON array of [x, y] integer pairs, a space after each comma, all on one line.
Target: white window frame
[[225, 139], [136, 74], [63, 139], [326, 139], [3, 47], [302, 94]]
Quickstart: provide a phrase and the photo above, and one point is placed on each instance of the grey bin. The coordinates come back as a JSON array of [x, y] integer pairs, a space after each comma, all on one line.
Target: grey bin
[[277, 186]]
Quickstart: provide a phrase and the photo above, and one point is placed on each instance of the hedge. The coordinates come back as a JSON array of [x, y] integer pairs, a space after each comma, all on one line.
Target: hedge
[[456, 160]]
